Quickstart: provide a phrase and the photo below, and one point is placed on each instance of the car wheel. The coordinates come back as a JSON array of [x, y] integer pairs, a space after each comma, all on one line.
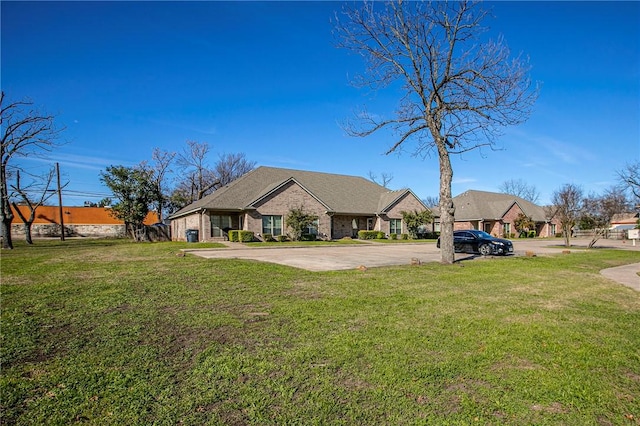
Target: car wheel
[[485, 249]]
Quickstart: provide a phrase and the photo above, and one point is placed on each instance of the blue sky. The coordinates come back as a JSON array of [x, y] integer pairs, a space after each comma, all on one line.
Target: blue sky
[[264, 78]]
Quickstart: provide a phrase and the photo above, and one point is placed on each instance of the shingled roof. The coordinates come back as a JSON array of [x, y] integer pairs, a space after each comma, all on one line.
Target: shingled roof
[[338, 193], [479, 205]]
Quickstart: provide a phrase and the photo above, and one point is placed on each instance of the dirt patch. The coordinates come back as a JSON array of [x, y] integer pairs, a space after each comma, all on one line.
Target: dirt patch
[[553, 408]]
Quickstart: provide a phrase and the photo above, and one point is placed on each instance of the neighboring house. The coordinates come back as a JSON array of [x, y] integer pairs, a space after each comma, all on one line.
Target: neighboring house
[[495, 214], [260, 200], [78, 222], [623, 221]]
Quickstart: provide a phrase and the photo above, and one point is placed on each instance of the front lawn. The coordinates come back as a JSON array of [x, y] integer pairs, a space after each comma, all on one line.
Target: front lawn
[[117, 333]]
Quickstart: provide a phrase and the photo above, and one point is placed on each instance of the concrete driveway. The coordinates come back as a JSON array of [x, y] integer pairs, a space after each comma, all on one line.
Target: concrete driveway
[[331, 258]]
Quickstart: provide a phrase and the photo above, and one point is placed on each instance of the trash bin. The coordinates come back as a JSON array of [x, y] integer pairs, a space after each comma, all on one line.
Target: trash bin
[[192, 235]]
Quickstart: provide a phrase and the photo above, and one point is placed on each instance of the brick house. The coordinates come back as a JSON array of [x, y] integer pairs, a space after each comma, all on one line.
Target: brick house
[[495, 214], [260, 200], [78, 221]]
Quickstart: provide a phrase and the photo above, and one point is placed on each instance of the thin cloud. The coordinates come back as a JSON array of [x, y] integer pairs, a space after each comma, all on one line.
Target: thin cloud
[[79, 161], [564, 151], [461, 181]]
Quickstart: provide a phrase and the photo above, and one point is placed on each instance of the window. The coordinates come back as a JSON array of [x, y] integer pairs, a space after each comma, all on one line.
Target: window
[[396, 226], [553, 230], [272, 225], [436, 226], [218, 224], [312, 229], [506, 228]]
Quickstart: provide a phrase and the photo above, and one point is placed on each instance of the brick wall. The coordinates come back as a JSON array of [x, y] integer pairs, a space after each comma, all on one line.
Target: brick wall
[[408, 203], [509, 217], [280, 202], [53, 230], [180, 225], [343, 226]]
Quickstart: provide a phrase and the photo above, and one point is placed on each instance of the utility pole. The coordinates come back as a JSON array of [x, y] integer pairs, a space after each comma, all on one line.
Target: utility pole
[[60, 204]]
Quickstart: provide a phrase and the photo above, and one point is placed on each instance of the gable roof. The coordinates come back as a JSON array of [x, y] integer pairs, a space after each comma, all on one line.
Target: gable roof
[[630, 218], [390, 198], [338, 193], [477, 205]]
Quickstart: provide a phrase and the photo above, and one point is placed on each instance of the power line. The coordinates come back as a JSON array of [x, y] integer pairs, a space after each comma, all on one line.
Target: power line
[[87, 193]]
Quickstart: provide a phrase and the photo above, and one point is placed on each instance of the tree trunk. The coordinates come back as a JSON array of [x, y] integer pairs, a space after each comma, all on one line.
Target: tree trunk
[[26, 222], [598, 233], [27, 232], [447, 208], [6, 232], [567, 236], [6, 215]]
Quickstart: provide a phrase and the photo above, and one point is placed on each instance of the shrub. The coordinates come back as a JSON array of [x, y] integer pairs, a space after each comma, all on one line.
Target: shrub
[[268, 238], [394, 236], [404, 236], [532, 234], [308, 237], [415, 219], [297, 220], [282, 238], [245, 236], [237, 236], [368, 235], [380, 235]]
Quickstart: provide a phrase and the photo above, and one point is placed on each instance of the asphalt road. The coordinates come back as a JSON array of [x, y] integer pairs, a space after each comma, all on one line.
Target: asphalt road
[[331, 258]]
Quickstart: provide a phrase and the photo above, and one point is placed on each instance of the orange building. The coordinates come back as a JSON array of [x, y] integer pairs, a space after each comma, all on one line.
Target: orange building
[[78, 221]]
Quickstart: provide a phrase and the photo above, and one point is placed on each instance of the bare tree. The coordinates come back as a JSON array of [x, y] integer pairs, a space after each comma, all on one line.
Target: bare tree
[[566, 207], [25, 132], [431, 201], [598, 210], [161, 166], [39, 185], [629, 178], [458, 89], [231, 166], [385, 178], [521, 189], [198, 178]]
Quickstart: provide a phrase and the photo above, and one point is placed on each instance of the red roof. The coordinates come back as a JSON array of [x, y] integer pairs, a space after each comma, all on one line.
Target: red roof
[[77, 216]]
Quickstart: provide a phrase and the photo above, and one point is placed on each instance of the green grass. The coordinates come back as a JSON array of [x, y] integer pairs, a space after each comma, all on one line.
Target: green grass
[[108, 332]]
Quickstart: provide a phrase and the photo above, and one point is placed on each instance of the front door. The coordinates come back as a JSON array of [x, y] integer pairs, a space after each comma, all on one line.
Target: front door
[[487, 227]]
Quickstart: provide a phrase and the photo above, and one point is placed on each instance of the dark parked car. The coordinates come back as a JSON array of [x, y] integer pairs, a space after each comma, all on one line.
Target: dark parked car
[[474, 241]]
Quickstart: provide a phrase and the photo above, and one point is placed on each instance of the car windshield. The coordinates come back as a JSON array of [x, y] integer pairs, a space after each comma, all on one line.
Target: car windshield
[[482, 234]]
